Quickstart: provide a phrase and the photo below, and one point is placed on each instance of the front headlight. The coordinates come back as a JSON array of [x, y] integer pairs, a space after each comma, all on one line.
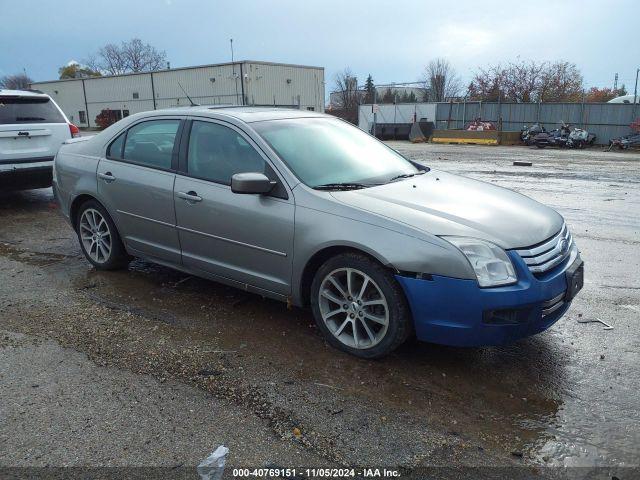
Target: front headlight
[[491, 264]]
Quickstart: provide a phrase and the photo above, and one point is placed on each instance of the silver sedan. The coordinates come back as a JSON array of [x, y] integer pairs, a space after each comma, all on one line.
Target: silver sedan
[[305, 208]]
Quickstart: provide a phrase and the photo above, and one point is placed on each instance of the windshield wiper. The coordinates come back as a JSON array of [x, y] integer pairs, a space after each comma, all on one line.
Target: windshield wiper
[[344, 186], [405, 175]]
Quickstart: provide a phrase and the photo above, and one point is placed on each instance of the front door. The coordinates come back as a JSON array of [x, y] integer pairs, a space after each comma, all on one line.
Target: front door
[[135, 182], [244, 238]]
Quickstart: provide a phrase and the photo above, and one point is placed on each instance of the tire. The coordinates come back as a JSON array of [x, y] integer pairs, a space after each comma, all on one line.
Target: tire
[[99, 238], [379, 312]]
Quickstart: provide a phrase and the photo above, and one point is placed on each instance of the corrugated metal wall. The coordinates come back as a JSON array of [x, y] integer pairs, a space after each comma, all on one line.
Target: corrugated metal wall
[[295, 86], [400, 113], [264, 84], [70, 97], [605, 120]]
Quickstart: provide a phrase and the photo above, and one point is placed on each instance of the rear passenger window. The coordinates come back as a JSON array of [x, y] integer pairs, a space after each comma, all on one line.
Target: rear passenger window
[[217, 152], [151, 143], [115, 149]]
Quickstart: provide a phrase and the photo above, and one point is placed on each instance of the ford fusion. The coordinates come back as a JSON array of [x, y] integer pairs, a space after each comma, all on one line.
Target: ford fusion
[[305, 208]]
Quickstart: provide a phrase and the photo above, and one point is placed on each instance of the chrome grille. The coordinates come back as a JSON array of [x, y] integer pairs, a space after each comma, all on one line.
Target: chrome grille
[[548, 254]]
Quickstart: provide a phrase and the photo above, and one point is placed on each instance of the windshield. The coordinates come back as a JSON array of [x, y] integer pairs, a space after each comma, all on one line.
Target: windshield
[[323, 151]]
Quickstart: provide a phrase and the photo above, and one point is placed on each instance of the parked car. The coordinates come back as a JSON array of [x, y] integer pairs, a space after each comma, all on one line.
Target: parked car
[[32, 128], [305, 208]]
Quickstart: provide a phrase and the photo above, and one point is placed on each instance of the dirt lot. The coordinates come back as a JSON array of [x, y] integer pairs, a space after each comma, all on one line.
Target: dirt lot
[[152, 367]]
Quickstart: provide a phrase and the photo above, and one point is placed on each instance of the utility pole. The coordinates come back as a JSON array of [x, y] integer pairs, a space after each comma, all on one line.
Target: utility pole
[[615, 83], [233, 67], [375, 109], [635, 90]]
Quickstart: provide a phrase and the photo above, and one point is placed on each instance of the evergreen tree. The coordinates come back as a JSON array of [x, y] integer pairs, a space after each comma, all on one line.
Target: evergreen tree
[[369, 89], [388, 96]]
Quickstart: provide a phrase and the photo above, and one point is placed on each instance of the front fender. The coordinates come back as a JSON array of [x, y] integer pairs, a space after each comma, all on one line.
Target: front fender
[[318, 230]]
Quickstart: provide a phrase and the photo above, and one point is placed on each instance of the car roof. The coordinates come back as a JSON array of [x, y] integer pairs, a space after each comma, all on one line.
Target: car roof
[[23, 93], [243, 113]]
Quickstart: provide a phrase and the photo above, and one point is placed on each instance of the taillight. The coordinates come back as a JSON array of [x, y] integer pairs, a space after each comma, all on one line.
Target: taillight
[[75, 131]]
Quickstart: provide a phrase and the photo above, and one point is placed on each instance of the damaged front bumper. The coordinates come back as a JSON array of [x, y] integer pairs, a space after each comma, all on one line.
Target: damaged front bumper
[[458, 312]]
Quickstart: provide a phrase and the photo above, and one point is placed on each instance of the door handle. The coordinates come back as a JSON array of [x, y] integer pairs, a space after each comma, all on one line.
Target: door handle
[[190, 196], [107, 177]]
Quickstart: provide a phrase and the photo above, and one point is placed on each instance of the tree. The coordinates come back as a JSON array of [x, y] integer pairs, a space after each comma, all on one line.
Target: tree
[[131, 56], [561, 82], [346, 86], [602, 95], [75, 70], [369, 88], [19, 81], [527, 81], [389, 96], [440, 80], [105, 118], [141, 57]]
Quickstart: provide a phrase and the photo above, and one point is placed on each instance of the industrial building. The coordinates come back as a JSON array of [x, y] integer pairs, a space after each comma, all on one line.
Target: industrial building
[[238, 83]]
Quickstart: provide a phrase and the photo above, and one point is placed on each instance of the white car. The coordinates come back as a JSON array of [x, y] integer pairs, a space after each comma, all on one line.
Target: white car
[[32, 128]]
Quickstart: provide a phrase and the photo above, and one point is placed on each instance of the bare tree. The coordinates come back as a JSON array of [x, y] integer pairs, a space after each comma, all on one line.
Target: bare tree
[[346, 86], [19, 81], [141, 57], [440, 81], [131, 56]]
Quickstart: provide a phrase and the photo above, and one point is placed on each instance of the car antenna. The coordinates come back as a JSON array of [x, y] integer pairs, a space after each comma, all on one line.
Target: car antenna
[[193, 104]]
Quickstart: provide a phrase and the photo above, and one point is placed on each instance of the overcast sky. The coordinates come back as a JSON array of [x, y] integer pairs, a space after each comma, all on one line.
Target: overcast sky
[[391, 40]]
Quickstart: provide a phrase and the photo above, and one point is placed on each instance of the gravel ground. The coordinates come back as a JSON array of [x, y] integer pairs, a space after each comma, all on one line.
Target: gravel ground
[[151, 367]]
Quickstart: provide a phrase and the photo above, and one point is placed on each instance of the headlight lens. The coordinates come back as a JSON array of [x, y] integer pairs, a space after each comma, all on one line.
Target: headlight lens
[[491, 264]]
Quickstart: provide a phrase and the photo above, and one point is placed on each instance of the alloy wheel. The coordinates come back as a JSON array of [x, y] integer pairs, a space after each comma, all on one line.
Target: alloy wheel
[[95, 235], [353, 308]]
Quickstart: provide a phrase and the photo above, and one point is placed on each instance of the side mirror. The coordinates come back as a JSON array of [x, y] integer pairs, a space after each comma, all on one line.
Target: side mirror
[[252, 183]]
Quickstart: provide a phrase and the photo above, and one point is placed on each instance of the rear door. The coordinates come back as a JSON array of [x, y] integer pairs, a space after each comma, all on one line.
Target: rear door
[[135, 182], [32, 128], [244, 238]]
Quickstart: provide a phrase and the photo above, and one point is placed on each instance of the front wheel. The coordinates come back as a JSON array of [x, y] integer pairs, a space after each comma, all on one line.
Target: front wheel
[[99, 238], [359, 306]]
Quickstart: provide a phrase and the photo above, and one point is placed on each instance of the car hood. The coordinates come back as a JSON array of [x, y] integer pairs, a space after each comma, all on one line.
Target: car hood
[[440, 203]]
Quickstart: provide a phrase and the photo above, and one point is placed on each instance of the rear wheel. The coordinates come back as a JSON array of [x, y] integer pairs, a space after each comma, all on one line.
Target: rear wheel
[[99, 237], [359, 306]]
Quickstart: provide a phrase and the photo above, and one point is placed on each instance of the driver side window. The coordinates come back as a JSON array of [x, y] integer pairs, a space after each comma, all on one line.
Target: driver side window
[[217, 152]]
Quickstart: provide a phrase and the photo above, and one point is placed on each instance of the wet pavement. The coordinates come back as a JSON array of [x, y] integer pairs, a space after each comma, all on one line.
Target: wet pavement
[[567, 397]]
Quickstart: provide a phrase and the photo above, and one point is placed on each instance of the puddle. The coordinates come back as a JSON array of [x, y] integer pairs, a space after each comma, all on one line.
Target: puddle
[[38, 259]]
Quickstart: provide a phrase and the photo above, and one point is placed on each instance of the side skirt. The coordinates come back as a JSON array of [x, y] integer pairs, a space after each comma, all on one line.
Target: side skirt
[[209, 276]]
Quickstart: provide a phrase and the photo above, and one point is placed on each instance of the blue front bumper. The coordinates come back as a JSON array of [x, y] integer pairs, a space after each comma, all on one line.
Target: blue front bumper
[[457, 312]]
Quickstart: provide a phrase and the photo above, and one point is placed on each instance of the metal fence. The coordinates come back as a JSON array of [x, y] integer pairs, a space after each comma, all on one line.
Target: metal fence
[[605, 120]]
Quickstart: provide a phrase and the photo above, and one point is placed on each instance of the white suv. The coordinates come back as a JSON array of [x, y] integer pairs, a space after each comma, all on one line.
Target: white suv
[[32, 128]]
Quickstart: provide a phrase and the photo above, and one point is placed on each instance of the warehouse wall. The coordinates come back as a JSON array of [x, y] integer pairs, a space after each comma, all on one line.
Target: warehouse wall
[[264, 84], [295, 86], [70, 98]]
